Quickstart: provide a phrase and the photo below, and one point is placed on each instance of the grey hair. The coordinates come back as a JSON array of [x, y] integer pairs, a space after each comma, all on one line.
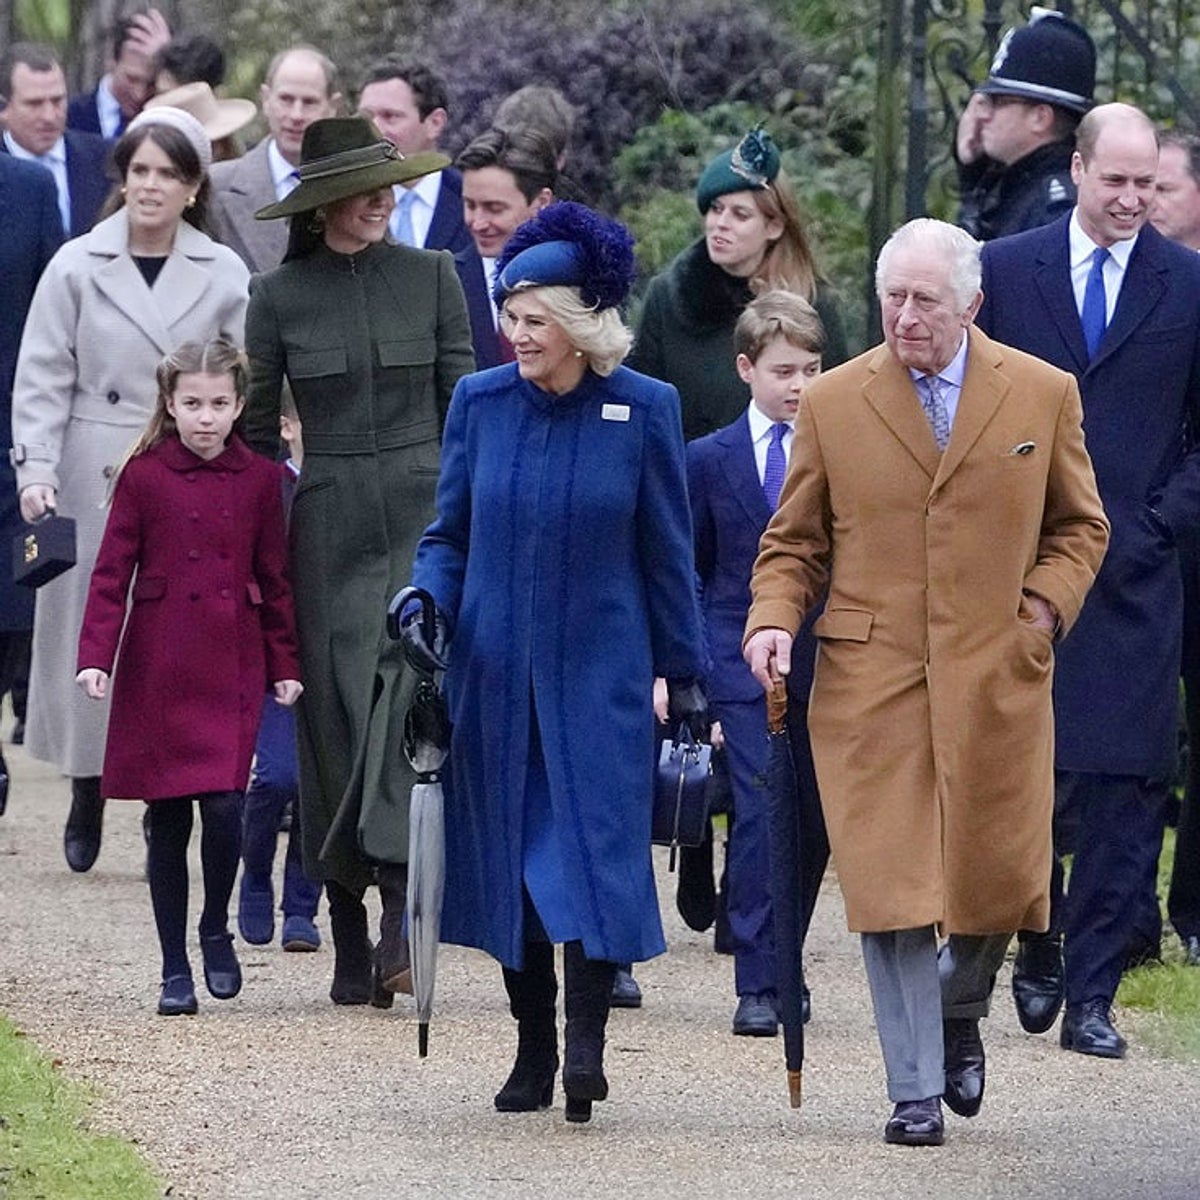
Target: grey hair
[[600, 334], [947, 243]]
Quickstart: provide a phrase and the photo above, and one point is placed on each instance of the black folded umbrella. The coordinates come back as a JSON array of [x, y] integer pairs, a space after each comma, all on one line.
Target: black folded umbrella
[[787, 900]]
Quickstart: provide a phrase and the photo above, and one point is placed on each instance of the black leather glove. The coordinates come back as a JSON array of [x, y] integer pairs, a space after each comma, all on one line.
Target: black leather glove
[[688, 705], [414, 620]]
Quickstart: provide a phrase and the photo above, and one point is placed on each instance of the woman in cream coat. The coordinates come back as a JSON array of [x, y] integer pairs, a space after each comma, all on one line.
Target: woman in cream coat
[[110, 305]]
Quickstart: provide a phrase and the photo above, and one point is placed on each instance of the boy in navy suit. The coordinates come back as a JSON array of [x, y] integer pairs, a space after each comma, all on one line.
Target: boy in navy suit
[[734, 478]]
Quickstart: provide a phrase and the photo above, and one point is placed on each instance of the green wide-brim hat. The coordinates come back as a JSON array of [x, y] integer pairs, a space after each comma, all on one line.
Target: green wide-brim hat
[[342, 157]]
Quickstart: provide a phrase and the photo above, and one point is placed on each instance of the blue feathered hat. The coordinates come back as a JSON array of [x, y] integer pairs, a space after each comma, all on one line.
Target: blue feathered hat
[[568, 244], [749, 167]]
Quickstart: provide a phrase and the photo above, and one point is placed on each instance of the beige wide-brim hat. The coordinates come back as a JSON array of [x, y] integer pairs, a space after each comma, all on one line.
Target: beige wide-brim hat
[[220, 118], [342, 157]]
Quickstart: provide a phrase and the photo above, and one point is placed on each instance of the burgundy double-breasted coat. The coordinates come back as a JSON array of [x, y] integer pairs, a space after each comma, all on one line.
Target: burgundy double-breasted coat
[[210, 621]]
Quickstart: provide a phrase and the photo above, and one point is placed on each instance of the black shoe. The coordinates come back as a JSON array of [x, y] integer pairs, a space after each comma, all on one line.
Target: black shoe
[[353, 954], [588, 987], [1191, 950], [756, 1016], [963, 1049], [696, 895], [916, 1123], [625, 990], [1037, 982], [1088, 1029], [222, 972], [81, 838], [178, 997], [530, 1083]]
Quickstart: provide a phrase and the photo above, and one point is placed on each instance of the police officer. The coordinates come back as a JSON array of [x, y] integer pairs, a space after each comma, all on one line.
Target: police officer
[[1017, 133]]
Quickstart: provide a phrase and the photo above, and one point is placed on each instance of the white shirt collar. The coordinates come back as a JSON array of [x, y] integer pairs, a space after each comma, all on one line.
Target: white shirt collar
[[108, 110], [760, 424], [281, 171], [1082, 247], [57, 154]]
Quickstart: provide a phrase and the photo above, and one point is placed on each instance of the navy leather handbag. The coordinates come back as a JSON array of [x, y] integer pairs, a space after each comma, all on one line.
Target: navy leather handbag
[[681, 793]]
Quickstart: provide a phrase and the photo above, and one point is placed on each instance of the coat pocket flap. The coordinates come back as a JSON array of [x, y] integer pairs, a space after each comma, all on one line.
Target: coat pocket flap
[[845, 624], [311, 364], [254, 592], [414, 352], [149, 587]]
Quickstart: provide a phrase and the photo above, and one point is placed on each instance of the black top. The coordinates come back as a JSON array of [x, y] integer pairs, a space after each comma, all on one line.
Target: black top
[[999, 200], [150, 266]]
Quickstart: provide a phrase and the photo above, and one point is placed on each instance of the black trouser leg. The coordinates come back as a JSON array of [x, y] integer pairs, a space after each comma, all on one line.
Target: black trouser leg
[[352, 948], [532, 1000], [81, 838], [170, 828], [588, 987]]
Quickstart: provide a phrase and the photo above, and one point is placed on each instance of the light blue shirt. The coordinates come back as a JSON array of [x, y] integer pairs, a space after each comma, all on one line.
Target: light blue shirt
[[1082, 248], [951, 376], [108, 110], [283, 174], [55, 161], [425, 194]]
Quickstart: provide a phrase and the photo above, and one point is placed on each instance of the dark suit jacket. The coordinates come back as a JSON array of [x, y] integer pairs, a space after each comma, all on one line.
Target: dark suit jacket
[[729, 514], [88, 183], [83, 114], [1116, 679], [30, 232], [484, 337], [447, 231]]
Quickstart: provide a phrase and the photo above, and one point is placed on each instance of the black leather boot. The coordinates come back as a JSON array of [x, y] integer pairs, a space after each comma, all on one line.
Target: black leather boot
[[81, 838], [588, 987], [532, 1000], [352, 951], [393, 968]]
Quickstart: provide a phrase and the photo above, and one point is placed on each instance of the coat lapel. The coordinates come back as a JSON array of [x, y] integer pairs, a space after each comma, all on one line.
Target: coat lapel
[[984, 386], [891, 393], [741, 470], [1052, 278], [1142, 289], [250, 189]]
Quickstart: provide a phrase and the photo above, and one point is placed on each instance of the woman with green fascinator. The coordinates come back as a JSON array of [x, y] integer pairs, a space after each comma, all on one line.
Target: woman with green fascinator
[[753, 242]]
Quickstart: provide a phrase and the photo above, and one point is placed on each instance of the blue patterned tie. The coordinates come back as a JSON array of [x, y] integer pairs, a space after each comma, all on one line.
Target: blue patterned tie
[[934, 404], [776, 467], [402, 226], [1095, 303]]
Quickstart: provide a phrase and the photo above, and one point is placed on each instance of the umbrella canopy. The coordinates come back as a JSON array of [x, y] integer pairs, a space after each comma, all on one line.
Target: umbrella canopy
[[786, 886]]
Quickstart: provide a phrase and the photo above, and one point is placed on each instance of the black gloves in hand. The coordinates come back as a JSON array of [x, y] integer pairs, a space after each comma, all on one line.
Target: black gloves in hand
[[414, 620], [687, 704]]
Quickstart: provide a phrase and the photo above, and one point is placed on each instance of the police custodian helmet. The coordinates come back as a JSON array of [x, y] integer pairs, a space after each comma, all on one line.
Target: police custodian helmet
[[1052, 59]]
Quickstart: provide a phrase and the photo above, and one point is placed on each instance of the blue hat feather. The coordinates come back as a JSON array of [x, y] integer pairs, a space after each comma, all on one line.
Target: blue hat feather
[[567, 244]]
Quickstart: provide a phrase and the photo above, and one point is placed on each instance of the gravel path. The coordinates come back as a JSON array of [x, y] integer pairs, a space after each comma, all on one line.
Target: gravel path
[[279, 1095]]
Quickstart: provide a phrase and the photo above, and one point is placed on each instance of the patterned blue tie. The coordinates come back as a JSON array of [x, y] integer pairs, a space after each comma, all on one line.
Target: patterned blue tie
[[933, 401], [776, 467], [402, 226], [1095, 303]]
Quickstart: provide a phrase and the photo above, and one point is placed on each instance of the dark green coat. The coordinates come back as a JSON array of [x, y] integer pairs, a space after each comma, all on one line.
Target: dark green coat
[[685, 337], [372, 346]]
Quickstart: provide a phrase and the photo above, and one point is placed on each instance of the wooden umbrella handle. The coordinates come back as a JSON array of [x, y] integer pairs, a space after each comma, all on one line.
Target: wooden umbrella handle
[[777, 703]]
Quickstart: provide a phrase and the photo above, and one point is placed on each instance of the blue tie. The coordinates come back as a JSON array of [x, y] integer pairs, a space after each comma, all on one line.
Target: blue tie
[[776, 465], [933, 401], [1095, 304], [402, 226]]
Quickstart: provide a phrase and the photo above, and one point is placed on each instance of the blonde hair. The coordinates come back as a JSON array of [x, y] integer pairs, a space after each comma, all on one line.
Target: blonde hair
[[788, 262], [213, 357], [598, 334]]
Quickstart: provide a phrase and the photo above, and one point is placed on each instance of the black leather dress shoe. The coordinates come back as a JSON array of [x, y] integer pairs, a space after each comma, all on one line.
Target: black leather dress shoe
[[1088, 1029], [1191, 951], [756, 1016], [222, 973], [1037, 982], [81, 838], [916, 1123], [964, 1065], [625, 990], [178, 997]]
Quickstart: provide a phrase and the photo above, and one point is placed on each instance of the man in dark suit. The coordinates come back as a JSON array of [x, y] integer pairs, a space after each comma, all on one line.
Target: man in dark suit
[[408, 104], [1103, 295], [507, 178], [30, 232], [35, 119], [301, 87], [734, 477], [129, 80]]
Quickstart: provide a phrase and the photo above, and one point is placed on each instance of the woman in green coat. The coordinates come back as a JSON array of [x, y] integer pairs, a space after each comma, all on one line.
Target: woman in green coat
[[372, 339], [753, 242]]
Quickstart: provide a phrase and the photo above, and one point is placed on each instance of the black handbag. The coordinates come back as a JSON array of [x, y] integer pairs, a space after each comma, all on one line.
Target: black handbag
[[681, 793], [43, 550]]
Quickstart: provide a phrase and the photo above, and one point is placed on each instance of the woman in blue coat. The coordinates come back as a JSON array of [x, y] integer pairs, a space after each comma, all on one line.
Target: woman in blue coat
[[561, 564]]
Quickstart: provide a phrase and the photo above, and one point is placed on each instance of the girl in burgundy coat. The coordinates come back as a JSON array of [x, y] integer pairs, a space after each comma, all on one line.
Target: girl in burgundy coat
[[210, 623]]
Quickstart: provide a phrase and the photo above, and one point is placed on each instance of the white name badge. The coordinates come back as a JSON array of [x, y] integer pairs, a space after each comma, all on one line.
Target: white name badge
[[615, 412]]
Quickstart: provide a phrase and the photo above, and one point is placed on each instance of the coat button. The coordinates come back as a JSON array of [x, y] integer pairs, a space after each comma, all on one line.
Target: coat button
[[195, 596], [225, 593], [191, 478], [193, 555], [195, 516], [113, 397], [226, 513]]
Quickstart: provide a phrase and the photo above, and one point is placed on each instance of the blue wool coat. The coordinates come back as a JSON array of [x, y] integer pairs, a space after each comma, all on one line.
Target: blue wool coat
[[562, 556]]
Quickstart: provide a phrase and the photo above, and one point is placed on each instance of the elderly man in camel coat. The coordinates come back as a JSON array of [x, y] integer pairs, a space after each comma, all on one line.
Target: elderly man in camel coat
[[958, 544]]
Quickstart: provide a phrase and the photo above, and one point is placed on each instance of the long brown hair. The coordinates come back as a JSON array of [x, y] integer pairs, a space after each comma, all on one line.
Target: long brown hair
[[788, 262], [213, 357]]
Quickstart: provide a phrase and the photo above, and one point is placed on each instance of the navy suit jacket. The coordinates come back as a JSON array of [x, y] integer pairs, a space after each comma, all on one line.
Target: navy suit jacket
[[729, 514], [84, 115], [1116, 676], [447, 230], [88, 183], [484, 337], [30, 233]]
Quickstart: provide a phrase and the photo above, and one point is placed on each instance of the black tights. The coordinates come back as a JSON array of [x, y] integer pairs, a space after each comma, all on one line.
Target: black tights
[[169, 829]]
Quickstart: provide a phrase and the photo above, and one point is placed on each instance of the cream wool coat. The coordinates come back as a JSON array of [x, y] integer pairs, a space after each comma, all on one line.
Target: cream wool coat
[[931, 718], [84, 390]]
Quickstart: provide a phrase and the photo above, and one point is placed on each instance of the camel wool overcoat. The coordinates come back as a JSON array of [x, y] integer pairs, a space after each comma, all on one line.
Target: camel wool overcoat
[[931, 718]]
